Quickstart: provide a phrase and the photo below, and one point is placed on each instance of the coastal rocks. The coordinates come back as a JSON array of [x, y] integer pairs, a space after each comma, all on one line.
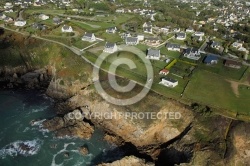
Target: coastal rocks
[[54, 124], [81, 130], [38, 79], [146, 136], [83, 150], [128, 161], [69, 127], [113, 139]]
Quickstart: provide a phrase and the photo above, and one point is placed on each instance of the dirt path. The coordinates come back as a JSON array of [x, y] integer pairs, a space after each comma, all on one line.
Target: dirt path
[[235, 86]]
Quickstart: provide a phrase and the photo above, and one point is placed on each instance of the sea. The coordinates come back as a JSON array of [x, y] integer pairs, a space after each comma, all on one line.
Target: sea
[[24, 144]]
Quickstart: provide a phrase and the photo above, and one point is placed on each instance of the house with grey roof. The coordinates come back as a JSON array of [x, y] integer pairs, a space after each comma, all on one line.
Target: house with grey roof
[[192, 53], [57, 20], [215, 45], [67, 29], [131, 40], [111, 30], [147, 30], [173, 47], [190, 30], [90, 37], [39, 26], [152, 41], [147, 27], [180, 36], [110, 47], [153, 54], [169, 82]]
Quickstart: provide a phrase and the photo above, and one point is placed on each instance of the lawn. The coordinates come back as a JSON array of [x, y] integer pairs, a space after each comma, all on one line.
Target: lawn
[[113, 38], [181, 42], [142, 47], [224, 71], [173, 54], [213, 90], [81, 44]]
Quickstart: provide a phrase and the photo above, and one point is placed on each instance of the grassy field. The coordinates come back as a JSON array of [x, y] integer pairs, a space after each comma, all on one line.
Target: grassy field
[[113, 38], [173, 54], [224, 71], [213, 90], [81, 44]]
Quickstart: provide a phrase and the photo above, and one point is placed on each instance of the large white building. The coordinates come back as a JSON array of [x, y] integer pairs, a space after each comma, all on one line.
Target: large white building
[[67, 29], [20, 23], [110, 47], [169, 82], [90, 37], [43, 17]]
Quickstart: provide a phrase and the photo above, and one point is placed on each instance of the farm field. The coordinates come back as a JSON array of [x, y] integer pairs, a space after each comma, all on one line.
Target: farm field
[[213, 90]]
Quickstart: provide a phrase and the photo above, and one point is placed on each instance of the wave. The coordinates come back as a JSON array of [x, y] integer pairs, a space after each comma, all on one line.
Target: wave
[[61, 151], [24, 148]]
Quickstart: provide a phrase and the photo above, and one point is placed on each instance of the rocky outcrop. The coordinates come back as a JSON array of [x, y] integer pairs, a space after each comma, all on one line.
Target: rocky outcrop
[[70, 125], [128, 161], [147, 138], [84, 150], [20, 77]]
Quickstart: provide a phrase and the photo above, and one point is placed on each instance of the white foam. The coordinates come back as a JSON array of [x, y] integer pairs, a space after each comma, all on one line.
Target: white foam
[[26, 129], [61, 151], [24, 148]]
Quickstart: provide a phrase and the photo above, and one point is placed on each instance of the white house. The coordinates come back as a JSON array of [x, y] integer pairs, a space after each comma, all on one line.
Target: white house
[[8, 5], [20, 23], [180, 36], [169, 82], [66, 2], [190, 30], [131, 40], [90, 37], [173, 47], [67, 29], [199, 34], [110, 47], [111, 30], [43, 17], [153, 54], [18, 2], [164, 29], [140, 37], [9, 11], [120, 11]]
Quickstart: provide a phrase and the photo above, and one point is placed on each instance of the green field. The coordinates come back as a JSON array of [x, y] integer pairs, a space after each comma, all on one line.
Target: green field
[[213, 90], [173, 54], [224, 71]]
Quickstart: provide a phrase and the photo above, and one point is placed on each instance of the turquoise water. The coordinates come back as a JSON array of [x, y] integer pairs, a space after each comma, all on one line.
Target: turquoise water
[[17, 109]]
